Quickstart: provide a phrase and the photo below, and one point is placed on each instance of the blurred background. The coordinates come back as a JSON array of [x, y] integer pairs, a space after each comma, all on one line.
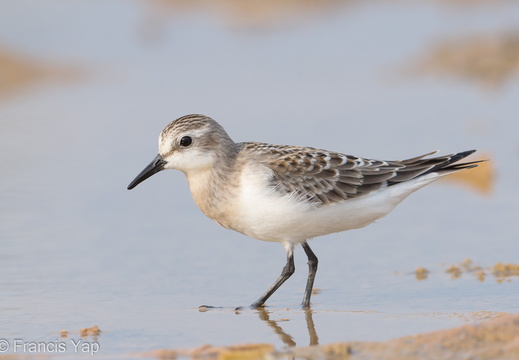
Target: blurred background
[[87, 86]]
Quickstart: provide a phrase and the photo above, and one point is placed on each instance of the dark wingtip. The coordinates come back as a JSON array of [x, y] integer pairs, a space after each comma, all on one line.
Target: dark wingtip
[[468, 165], [461, 155], [451, 164]]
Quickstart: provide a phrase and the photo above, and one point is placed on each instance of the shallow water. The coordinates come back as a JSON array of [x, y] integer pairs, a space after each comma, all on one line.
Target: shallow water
[[86, 89]]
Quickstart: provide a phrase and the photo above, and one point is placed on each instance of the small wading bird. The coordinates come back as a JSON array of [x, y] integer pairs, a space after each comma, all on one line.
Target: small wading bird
[[288, 194]]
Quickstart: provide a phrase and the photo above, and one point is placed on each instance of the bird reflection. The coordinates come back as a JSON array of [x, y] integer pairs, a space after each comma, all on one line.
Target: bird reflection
[[264, 315]]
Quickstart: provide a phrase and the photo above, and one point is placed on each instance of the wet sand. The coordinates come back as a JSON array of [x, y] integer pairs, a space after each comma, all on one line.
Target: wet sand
[[493, 338]]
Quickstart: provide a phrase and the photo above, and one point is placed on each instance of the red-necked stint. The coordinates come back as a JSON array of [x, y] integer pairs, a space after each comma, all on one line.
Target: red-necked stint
[[288, 194]]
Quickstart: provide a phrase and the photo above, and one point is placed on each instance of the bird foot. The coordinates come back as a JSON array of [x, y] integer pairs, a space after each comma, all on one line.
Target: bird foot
[[204, 308], [252, 307]]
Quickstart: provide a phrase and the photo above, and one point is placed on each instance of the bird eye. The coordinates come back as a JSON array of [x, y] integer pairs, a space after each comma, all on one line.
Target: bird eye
[[186, 141]]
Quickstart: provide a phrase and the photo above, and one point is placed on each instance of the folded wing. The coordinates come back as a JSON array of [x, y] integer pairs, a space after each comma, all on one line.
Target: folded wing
[[322, 177]]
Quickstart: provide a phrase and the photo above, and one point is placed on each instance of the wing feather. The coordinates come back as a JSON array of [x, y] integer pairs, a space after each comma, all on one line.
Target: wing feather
[[322, 177]]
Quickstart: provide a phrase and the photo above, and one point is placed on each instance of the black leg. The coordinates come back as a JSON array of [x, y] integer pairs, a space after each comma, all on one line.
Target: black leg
[[288, 270], [312, 269]]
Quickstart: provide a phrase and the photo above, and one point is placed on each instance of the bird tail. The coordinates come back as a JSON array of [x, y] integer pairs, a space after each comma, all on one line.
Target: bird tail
[[422, 165], [450, 163]]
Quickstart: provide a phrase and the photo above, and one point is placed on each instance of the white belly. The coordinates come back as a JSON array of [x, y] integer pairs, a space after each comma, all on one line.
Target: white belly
[[264, 214]]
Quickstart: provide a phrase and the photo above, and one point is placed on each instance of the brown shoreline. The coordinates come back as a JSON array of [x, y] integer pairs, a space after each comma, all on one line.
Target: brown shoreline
[[496, 338]]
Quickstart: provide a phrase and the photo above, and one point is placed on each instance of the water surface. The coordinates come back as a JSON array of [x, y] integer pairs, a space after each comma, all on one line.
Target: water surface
[[97, 82]]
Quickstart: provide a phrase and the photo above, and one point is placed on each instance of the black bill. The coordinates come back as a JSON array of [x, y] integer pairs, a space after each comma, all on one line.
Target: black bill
[[153, 167]]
